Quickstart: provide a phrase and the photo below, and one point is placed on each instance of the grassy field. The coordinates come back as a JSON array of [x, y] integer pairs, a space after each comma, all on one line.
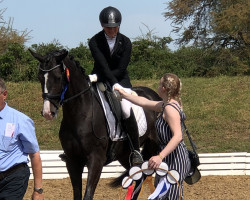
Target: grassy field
[[217, 109]]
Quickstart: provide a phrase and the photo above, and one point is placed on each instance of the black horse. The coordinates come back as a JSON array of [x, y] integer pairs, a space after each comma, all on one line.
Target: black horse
[[83, 131]]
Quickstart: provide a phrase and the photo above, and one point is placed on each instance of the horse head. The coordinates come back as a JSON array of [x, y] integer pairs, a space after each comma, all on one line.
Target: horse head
[[52, 76]]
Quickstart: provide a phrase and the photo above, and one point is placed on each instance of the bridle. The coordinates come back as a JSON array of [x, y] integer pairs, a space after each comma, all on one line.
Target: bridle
[[60, 97], [48, 96]]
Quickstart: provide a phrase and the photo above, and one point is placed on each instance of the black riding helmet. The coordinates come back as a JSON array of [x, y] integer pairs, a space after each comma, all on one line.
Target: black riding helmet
[[110, 17]]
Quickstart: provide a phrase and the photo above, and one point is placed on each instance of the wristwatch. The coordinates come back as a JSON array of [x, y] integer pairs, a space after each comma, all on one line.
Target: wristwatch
[[39, 190]]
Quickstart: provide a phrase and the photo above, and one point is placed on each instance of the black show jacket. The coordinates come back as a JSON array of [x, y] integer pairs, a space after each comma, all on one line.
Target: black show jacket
[[111, 68]]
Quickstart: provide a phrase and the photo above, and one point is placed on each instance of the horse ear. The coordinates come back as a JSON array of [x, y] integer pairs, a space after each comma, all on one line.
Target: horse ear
[[62, 55], [36, 55]]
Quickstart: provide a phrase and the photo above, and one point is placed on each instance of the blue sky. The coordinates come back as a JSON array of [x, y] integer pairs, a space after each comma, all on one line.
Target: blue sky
[[74, 21]]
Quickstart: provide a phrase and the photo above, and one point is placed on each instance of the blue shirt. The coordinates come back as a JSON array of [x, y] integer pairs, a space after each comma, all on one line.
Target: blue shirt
[[17, 138]]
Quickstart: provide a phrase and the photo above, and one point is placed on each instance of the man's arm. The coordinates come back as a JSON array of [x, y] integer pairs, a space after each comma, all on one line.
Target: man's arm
[[36, 164]]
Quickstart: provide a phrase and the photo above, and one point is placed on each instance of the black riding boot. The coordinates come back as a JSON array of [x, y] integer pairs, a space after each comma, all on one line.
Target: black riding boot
[[131, 129]]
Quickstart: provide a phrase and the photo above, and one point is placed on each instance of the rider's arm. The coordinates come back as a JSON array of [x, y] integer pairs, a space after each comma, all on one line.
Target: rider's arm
[[102, 66], [124, 58], [141, 101]]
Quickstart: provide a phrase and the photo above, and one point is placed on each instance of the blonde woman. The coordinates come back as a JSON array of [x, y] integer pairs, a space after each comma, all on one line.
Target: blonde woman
[[172, 149]]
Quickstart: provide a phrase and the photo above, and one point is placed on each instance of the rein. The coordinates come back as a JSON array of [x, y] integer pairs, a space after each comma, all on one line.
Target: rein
[[70, 98]]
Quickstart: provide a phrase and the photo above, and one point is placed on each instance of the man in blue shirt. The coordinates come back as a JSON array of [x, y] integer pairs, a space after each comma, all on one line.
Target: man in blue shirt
[[17, 141]]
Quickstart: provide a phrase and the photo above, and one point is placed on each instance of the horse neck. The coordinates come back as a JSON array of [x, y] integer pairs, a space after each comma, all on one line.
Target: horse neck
[[77, 84], [77, 80], [78, 100]]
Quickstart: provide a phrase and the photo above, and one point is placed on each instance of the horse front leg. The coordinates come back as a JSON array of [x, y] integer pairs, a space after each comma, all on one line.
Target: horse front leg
[[75, 172], [95, 165]]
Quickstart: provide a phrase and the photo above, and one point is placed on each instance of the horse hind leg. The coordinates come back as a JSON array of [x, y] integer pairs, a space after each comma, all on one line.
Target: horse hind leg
[[150, 148]]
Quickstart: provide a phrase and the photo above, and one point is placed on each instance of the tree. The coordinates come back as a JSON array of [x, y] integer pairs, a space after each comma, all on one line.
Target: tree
[[9, 35], [45, 48], [17, 64], [83, 55], [211, 23], [151, 40]]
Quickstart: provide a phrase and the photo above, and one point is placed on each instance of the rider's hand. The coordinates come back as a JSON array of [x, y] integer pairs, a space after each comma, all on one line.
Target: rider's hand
[[93, 78]]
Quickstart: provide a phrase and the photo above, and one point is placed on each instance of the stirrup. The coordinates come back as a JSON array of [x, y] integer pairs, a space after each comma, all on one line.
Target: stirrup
[[135, 158]]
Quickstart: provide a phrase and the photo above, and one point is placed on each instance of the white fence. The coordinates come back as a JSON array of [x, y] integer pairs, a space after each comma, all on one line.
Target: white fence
[[211, 164]]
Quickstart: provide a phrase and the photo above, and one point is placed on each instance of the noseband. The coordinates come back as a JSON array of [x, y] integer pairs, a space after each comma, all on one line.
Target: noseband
[[60, 97]]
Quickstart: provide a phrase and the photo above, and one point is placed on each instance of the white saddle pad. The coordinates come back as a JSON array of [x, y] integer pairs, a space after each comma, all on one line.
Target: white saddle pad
[[115, 130]]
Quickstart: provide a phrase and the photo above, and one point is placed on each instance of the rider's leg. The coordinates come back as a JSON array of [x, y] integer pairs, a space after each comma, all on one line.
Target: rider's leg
[[131, 129]]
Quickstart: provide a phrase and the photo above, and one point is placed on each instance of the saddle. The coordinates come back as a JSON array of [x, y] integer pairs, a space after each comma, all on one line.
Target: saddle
[[113, 102], [111, 107], [113, 112]]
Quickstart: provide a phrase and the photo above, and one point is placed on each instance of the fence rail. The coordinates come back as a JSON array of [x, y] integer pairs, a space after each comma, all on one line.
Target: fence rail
[[211, 164]]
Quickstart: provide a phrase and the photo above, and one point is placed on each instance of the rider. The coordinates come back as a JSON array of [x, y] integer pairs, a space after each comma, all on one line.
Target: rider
[[111, 51]]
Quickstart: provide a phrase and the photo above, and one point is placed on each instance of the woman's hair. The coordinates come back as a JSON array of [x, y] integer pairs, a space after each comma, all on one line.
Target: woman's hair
[[172, 84]]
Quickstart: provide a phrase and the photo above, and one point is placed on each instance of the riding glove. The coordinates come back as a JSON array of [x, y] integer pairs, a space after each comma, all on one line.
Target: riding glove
[[93, 78]]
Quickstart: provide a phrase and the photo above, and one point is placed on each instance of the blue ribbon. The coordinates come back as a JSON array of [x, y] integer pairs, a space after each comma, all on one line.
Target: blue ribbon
[[63, 93]]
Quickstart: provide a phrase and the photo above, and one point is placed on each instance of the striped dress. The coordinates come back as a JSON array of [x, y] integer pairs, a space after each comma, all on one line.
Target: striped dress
[[177, 160]]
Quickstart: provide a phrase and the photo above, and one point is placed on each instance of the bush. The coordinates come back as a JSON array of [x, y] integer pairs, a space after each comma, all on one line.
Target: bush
[[83, 55], [44, 49], [149, 60], [17, 64]]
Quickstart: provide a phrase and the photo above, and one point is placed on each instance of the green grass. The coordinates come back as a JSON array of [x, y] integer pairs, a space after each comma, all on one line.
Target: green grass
[[217, 109]]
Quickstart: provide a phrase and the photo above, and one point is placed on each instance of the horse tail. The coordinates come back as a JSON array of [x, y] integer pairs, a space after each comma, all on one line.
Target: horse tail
[[117, 182]]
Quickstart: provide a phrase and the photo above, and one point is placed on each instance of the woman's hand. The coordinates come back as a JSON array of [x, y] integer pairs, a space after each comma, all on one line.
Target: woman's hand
[[154, 162], [121, 91]]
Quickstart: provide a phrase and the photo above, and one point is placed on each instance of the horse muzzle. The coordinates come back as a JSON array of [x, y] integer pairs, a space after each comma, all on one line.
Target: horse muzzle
[[49, 111]]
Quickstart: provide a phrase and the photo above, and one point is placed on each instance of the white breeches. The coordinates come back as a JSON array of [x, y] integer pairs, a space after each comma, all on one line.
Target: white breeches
[[126, 105]]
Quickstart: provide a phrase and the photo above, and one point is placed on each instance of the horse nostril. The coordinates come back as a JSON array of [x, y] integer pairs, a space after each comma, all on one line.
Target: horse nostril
[[53, 114]]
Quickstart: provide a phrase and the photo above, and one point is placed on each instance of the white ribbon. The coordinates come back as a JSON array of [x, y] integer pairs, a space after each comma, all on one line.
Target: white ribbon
[[161, 189]]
